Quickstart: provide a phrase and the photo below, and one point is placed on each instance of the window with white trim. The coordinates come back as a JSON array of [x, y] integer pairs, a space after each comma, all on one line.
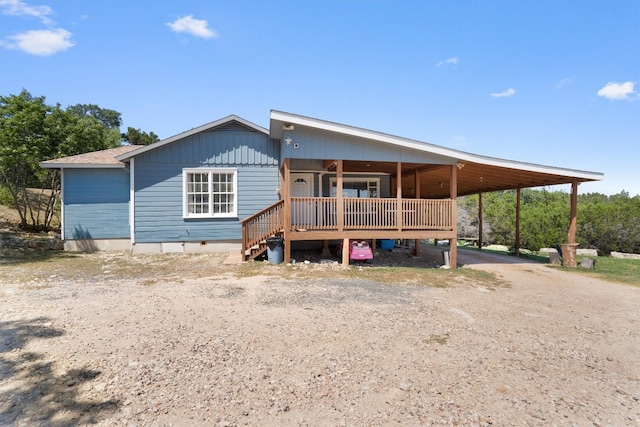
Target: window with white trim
[[210, 193], [357, 187]]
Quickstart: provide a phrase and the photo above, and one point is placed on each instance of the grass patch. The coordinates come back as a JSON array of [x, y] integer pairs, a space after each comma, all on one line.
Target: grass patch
[[626, 271], [439, 339]]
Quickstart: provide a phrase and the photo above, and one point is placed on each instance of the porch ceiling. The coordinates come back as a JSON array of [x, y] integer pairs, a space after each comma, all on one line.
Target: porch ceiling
[[472, 177]]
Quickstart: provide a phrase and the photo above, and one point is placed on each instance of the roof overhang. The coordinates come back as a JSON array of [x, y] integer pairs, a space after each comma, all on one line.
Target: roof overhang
[[476, 173], [103, 159], [62, 165]]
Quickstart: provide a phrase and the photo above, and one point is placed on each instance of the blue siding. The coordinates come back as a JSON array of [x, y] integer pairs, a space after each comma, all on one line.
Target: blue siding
[[158, 184], [96, 204], [316, 144]]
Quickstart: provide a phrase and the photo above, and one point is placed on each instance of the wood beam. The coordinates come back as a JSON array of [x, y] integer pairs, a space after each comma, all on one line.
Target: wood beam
[[339, 201], [328, 164], [480, 221], [345, 252], [286, 211], [399, 196], [518, 204], [416, 245], [453, 192], [571, 234]]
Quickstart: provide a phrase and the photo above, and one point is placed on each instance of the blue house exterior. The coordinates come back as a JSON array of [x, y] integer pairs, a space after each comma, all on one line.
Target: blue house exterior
[[138, 202], [230, 184]]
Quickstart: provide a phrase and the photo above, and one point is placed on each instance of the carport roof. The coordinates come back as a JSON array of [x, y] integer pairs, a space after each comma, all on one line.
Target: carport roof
[[476, 173]]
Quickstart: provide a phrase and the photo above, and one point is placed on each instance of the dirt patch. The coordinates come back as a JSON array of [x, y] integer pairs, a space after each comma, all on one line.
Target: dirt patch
[[186, 340]]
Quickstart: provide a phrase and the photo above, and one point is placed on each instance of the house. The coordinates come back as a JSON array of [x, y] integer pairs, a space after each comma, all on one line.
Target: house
[[230, 184]]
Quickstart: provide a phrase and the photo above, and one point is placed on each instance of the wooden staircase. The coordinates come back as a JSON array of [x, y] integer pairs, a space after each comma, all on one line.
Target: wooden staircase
[[260, 226]]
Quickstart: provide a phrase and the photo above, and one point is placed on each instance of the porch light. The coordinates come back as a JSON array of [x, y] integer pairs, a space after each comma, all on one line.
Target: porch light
[[441, 184], [288, 140]]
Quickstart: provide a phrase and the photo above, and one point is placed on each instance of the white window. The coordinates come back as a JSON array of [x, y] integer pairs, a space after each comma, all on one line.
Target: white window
[[357, 187], [210, 193]]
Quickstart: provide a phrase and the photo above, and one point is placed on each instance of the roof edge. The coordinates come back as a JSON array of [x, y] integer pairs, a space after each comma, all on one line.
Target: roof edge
[[46, 165], [191, 132], [279, 119]]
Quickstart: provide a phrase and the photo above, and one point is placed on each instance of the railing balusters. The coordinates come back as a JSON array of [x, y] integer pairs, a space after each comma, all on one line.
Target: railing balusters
[[319, 213]]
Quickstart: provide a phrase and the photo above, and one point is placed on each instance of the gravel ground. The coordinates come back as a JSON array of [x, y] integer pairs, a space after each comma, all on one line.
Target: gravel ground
[[216, 349]]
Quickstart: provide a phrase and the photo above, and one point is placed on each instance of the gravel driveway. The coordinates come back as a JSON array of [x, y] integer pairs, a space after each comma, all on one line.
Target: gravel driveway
[[553, 348]]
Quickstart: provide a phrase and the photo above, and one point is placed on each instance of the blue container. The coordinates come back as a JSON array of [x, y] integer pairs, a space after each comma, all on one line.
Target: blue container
[[275, 250], [386, 244]]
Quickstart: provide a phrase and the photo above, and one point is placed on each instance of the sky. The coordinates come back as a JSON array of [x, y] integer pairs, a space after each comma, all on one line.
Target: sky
[[546, 81]]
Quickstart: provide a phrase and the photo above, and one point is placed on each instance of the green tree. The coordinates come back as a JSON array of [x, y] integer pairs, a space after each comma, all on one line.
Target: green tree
[[605, 223], [23, 141], [32, 131], [110, 119], [137, 137]]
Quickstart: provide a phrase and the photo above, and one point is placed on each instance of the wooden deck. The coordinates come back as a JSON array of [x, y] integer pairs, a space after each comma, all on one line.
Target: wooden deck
[[330, 218]]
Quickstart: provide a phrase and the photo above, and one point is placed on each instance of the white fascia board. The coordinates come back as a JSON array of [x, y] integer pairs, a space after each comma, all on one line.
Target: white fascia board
[[191, 132], [46, 165], [279, 118]]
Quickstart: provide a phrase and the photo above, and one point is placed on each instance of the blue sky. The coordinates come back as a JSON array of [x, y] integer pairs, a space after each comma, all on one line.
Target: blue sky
[[548, 82]]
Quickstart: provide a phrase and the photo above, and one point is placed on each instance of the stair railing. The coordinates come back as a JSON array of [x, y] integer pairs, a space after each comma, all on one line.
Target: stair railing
[[256, 228]]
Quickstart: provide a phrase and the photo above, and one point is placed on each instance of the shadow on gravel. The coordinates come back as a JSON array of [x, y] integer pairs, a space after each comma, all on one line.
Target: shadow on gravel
[[32, 394]]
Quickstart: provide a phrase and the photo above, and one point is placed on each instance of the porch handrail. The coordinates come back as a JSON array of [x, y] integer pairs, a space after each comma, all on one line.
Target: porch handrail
[[320, 213], [257, 227]]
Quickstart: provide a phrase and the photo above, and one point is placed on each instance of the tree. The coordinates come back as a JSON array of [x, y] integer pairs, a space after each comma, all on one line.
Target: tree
[[605, 223], [32, 131], [23, 140], [137, 137], [109, 118]]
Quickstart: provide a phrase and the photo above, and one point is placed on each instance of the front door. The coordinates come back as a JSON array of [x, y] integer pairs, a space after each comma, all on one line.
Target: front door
[[301, 211]]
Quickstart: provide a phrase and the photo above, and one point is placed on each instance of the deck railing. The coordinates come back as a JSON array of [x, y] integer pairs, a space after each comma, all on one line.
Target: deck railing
[[320, 213], [256, 228]]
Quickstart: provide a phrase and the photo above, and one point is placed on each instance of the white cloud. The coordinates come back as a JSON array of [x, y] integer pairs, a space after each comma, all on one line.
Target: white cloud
[[617, 91], [448, 61], [562, 83], [19, 8], [41, 42], [196, 27], [507, 93]]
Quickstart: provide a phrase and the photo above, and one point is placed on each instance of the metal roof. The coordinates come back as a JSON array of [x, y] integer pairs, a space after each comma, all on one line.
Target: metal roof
[[476, 173]]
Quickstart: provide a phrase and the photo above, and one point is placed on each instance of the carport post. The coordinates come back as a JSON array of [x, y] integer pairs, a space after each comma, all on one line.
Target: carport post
[[480, 221], [518, 194], [453, 242], [571, 234]]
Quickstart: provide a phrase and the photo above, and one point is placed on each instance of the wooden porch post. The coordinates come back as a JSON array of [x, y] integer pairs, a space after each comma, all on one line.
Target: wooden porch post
[[286, 211], [339, 201], [480, 221], [340, 213], [571, 234], [453, 242], [518, 197], [416, 246], [399, 196]]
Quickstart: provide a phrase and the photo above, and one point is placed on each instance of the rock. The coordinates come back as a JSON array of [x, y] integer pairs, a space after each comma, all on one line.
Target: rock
[[588, 263], [548, 250], [404, 387], [587, 252], [624, 255], [554, 258]]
